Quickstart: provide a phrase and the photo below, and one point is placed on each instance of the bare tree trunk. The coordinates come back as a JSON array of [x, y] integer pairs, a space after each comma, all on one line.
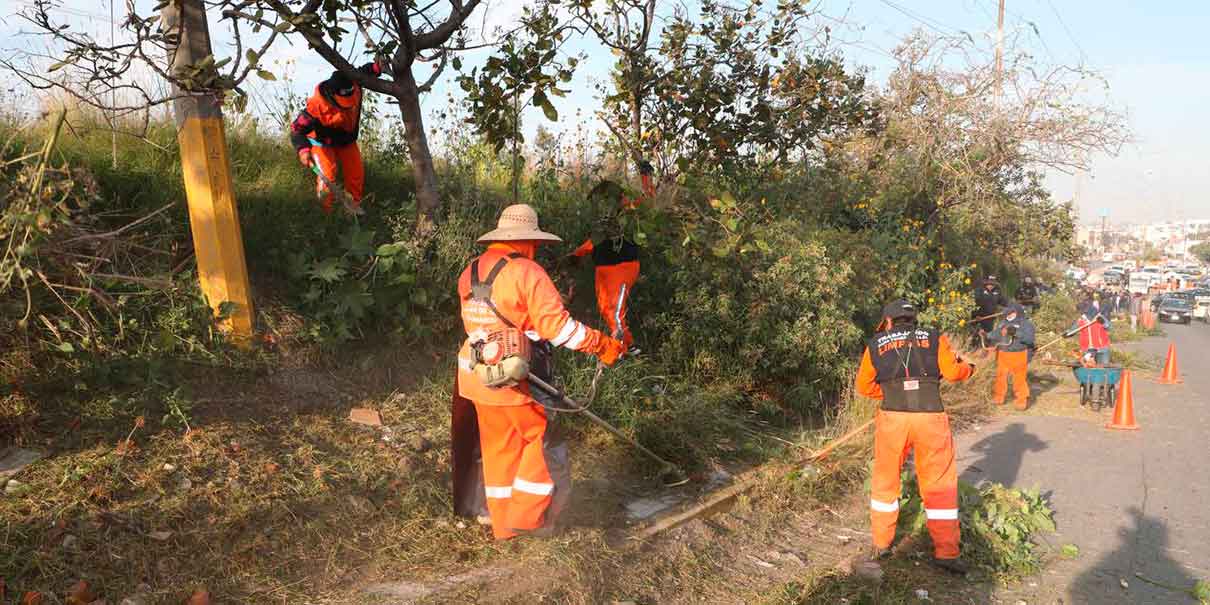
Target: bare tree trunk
[[427, 198]]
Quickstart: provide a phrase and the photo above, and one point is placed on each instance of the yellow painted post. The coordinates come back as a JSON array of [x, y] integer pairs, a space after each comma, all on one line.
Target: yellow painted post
[[213, 215]]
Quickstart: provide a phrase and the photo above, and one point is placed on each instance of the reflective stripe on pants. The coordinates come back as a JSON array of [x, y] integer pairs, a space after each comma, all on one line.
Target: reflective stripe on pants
[[929, 436], [515, 476], [609, 282]]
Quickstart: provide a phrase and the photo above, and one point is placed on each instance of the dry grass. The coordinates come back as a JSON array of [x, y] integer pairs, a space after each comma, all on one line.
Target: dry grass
[[274, 497]]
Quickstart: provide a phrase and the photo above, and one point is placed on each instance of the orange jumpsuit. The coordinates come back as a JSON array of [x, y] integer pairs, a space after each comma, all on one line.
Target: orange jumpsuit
[[511, 424], [903, 367], [328, 129], [617, 267]]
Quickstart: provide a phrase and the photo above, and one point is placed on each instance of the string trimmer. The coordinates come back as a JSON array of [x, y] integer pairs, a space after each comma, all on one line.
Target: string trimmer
[[670, 474], [345, 199]]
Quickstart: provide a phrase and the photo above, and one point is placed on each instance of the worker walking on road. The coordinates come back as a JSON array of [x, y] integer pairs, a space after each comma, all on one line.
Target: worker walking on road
[[616, 261], [1014, 337], [903, 366], [324, 134], [510, 308]]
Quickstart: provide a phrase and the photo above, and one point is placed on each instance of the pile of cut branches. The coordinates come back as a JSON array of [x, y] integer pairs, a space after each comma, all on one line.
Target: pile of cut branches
[[75, 277]]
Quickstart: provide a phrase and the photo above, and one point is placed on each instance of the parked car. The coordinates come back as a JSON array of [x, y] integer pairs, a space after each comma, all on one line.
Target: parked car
[[1176, 309]]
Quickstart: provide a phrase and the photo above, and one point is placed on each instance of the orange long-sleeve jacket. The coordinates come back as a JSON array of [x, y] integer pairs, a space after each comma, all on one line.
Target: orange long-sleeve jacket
[[951, 368], [525, 295]]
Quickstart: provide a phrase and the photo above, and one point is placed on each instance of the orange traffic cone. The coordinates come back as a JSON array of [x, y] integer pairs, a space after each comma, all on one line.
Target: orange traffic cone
[[1123, 408], [1169, 375]]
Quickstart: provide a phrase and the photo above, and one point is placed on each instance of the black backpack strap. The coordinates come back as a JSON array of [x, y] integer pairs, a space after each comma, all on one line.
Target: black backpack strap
[[481, 290]]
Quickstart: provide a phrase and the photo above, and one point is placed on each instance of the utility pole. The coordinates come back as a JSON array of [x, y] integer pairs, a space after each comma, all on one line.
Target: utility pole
[[213, 217], [1000, 51]]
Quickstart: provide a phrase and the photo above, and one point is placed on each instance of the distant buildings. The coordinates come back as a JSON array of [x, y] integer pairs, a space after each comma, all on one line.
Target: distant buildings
[[1172, 238]]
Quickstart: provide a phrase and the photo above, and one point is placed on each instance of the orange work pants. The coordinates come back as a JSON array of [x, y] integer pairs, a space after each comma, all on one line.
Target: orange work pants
[[928, 435], [515, 478], [609, 282], [1016, 365], [348, 159]]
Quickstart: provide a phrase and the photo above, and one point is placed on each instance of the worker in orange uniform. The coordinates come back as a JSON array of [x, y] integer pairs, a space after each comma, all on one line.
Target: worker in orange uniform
[[903, 366], [510, 308], [1014, 337], [325, 134], [616, 259]]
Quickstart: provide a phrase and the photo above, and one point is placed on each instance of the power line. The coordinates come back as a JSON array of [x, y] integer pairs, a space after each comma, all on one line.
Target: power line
[[932, 24], [1066, 29]]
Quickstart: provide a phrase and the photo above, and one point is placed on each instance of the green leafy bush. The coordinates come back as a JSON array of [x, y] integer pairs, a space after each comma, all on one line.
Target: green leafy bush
[[999, 524]]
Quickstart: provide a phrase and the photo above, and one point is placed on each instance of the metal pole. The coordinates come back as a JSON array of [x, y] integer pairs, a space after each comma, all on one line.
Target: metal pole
[[1000, 51]]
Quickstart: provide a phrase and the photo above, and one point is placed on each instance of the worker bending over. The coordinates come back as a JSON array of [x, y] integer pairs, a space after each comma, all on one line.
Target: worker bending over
[[1014, 337], [903, 366], [325, 134], [509, 307]]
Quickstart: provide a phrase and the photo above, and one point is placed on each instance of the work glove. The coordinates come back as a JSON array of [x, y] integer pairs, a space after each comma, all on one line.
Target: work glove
[[610, 350], [304, 157]]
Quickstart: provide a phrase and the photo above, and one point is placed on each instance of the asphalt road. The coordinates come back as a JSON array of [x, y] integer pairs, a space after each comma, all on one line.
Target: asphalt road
[[1137, 504]]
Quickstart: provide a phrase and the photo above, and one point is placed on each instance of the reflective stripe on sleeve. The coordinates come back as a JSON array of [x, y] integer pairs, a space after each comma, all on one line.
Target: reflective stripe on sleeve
[[569, 328], [498, 492], [941, 514], [529, 487], [884, 507], [578, 338]]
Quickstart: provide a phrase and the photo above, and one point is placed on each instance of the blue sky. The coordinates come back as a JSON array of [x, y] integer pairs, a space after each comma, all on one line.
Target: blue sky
[[1154, 55]]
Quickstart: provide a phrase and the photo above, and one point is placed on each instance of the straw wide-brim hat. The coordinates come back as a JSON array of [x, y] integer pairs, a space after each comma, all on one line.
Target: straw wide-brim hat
[[518, 223]]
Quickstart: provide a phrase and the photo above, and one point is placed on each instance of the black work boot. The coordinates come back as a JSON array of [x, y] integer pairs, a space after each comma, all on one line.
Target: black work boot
[[954, 566]]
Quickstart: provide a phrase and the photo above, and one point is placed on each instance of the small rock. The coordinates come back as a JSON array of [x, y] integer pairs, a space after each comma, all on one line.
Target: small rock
[[1021, 602], [1123, 582], [922, 594], [420, 443], [15, 488], [460, 525], [809, 471], [70, 541], [160, 536], [13, 461], [184, 485], [868, 571], [168, 468]]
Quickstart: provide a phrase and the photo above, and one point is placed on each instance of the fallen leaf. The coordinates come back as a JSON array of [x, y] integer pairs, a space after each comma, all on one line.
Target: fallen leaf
[[271, 468], [161, 536], [32, 597], [200, 597], [81, 594]]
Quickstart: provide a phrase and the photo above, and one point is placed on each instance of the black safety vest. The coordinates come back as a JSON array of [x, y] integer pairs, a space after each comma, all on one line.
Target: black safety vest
[[614, 251], [905, 360]]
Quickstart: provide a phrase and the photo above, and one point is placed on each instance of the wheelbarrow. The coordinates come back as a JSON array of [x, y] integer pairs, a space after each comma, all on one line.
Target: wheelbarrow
[[1098, 386]]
